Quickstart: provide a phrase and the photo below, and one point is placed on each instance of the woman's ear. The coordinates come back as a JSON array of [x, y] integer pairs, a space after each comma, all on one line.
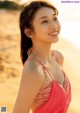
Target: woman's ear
[[28, 32]]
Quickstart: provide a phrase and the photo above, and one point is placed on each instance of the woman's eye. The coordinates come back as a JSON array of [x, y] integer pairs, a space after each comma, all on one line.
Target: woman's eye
[[45, 21]]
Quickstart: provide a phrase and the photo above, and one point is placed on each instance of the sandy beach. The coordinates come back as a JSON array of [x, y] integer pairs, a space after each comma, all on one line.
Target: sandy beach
[[11, 66]]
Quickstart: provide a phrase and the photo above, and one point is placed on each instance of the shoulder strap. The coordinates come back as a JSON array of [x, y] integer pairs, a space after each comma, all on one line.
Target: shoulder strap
[[44, 67], [55, 56], [35, 60]]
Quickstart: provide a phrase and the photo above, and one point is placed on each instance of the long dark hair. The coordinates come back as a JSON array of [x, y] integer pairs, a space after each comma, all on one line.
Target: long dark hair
[[26, 17]]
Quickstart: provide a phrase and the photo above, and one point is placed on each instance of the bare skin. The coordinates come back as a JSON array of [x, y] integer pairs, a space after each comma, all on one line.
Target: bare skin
[[54, 67], [46, 31], [45, 25]]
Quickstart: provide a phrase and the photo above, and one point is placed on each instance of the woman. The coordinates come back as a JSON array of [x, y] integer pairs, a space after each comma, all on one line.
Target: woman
[[44, 86]]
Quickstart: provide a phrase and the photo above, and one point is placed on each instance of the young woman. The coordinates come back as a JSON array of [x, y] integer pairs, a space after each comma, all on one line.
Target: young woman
[[44, 86]]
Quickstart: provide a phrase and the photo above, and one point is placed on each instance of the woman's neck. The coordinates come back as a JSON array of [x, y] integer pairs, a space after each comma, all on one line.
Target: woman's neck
[[42, 51]]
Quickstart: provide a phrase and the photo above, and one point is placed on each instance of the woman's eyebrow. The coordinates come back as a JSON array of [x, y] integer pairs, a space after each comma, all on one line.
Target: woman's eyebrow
[[46, 16]]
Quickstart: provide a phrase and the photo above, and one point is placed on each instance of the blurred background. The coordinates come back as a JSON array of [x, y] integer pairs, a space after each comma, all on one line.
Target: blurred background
[[10, 62]]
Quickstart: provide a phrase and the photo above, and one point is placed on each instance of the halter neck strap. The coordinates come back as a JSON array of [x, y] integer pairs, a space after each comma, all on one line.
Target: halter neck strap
[[44, 67]]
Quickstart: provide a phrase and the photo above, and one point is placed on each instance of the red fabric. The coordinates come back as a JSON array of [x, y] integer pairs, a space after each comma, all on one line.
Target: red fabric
[[58, 101]]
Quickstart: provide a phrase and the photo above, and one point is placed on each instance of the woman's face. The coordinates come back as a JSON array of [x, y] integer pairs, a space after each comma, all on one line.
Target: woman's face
[[46, 26]]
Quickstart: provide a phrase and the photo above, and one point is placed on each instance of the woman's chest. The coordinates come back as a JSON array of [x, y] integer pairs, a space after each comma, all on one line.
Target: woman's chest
[[55, 72]]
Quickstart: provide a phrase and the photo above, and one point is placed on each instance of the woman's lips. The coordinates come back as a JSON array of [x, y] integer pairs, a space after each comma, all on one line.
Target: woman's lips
[[54, 33]]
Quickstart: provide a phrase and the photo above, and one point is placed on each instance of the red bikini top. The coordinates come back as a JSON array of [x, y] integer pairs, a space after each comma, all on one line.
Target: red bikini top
[[53, 98]]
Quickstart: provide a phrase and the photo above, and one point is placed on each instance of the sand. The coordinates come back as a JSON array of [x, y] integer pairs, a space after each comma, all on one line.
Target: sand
[[11, 66]]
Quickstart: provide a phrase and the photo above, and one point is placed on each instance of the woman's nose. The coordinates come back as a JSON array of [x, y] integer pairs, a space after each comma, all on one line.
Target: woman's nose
[[54, 26]]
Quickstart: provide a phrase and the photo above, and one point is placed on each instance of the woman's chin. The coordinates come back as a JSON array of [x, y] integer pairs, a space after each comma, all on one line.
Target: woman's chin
[[55, 39]]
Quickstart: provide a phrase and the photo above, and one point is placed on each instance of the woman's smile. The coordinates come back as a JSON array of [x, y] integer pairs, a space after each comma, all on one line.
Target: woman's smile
[[54, 34]]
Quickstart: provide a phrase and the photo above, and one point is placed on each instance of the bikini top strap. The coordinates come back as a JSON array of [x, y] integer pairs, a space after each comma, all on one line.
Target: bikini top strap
[[54, 55], [44, 67]]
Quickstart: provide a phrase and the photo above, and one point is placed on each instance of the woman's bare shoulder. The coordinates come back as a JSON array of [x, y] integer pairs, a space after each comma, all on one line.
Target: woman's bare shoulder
[[32, 75], [30, 69], [31, 83], [59, 57]]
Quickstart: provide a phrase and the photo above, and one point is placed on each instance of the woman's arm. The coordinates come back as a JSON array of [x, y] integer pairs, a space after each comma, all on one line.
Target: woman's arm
[[30, 85]]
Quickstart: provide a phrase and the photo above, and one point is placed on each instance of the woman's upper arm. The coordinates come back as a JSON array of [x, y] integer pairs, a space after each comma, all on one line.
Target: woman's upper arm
[[30, 85]]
